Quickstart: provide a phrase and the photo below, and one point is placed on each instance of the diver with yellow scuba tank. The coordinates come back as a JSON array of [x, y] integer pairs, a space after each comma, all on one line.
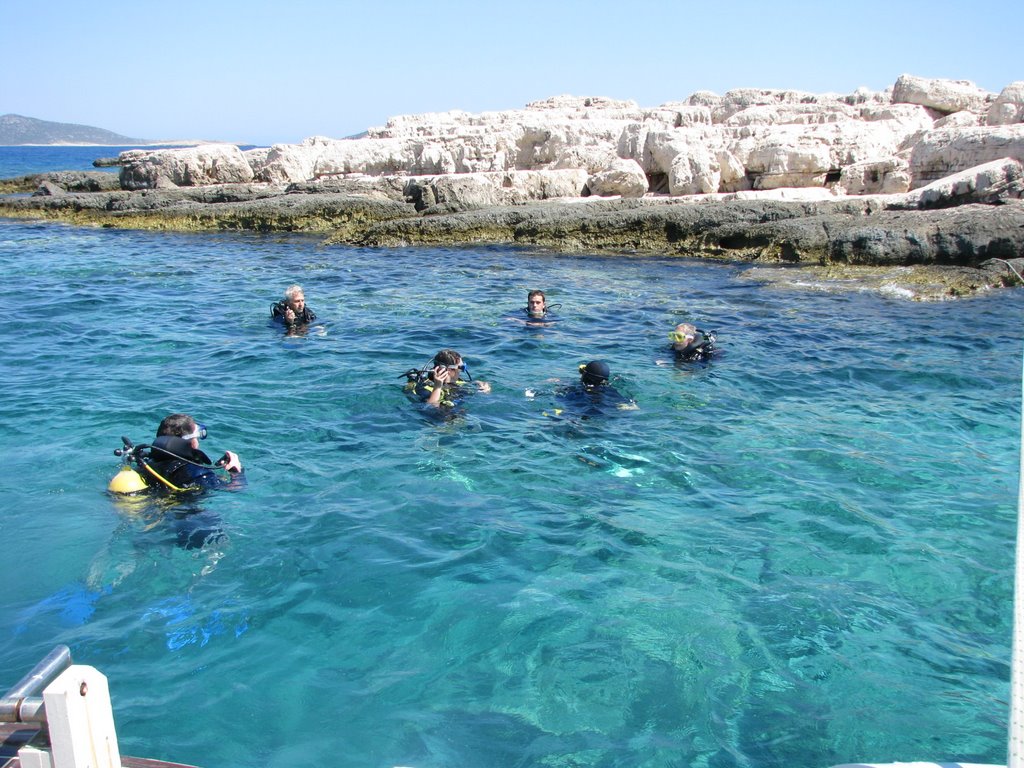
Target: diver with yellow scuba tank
[[173, 461]]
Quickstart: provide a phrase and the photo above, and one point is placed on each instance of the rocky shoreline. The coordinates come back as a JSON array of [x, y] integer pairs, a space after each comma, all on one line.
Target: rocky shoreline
[[866, 193]]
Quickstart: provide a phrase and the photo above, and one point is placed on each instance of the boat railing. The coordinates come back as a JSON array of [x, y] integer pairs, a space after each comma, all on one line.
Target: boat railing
[[24, 702], [69, 705]]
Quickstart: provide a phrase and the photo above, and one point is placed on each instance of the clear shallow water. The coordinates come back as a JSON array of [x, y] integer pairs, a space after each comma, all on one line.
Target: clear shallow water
[[799, 555]]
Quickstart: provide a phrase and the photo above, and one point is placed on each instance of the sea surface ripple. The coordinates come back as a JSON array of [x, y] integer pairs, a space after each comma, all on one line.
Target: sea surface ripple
[[799, 554]]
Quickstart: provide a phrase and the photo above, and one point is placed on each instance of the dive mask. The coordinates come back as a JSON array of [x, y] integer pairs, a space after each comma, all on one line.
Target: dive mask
[[198, 433]]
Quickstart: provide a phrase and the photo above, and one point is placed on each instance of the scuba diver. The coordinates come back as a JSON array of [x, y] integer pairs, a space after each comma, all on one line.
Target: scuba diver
[[593, 394], [537, 310], [440, 385], [176, 471], [536, 304], [173, 462], [292, 311], [690, 344]]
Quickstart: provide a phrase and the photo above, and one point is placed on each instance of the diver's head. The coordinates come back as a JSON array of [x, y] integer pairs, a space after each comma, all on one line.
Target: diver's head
[[682, 336], [449, 362], [536, 303], [295, 298], [448, 357], [595, 373], [184, 426]]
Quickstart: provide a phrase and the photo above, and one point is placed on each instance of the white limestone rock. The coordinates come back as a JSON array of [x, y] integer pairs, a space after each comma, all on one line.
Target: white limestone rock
[[732, 174], [789, 159], [587, 107], [462, 191], [286, 163], [865, 96], [739, 99], [791, 114], [687, 158], [946, 96], [961, 119], [188, 167], [889, 176], [1009, 105], [481, 190], [376, 157], [694, 173], [745, 141], [589, 145], [947, 151], [993, 182], [561, 132], [544, 185], [678, 114], [707, 99], [621, 177]]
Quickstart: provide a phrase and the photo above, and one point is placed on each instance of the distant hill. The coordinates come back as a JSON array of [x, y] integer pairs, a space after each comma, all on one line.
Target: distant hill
[[15, 129]]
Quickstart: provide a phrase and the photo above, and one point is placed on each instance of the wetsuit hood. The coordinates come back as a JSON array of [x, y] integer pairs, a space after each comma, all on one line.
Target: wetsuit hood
[[595, 372]]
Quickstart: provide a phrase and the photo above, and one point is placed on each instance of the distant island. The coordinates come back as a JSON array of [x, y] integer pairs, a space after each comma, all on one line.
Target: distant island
[[16, 130]]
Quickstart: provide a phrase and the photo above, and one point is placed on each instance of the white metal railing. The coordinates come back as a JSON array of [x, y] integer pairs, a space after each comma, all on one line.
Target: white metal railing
[[72, 703]]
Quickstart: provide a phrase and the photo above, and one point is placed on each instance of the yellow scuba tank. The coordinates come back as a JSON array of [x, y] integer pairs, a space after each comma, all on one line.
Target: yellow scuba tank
[[127, 481]]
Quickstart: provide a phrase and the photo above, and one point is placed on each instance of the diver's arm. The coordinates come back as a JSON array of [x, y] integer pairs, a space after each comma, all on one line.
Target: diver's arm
[[434, 398], [440, 377]]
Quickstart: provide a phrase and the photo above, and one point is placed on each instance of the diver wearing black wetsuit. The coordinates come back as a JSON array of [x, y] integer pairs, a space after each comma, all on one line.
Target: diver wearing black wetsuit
[[537, 311], [304, 317], [292, 311], [442, 386], [593, 395], [691, 344], [176, 461]]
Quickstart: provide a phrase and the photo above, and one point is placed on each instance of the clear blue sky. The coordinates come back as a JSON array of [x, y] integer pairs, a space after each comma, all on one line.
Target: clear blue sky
[[264, 72]]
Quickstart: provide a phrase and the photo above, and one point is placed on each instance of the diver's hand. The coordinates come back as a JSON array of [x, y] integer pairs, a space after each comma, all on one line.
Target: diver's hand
[[289, 315], [230, 462], [483, 386], [442, 375]]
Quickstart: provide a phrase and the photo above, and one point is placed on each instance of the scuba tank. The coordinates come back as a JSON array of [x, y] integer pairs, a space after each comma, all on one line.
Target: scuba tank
[[145, 476], [127, 481]]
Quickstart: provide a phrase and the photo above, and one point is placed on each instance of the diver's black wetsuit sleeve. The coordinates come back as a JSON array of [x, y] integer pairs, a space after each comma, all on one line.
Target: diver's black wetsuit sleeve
[[205, 477]]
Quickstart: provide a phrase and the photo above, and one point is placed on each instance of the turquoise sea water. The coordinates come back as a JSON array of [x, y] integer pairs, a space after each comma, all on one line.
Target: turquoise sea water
[[800, 554]]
